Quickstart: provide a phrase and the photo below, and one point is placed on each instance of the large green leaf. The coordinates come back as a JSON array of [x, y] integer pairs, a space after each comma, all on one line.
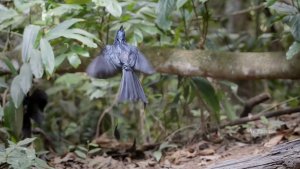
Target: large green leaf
[[24, 5], [293, 50], [36, 63], [47, 55], [16, 92], [25, 78], [284, 8], [208, 94], [29, 37], [180, 3], [112, 6], [164, 9], [294, 22], [85, 33], [6, 14], [62, 27], [69, 34], [13, 118], [63, 9]]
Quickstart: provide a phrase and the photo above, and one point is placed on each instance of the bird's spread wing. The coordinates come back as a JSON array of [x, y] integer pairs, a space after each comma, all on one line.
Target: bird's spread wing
[[105, 65], [141, 63]]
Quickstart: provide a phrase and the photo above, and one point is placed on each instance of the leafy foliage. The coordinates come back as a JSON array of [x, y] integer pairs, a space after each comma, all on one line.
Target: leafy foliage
[[292, 19], [18, 156]]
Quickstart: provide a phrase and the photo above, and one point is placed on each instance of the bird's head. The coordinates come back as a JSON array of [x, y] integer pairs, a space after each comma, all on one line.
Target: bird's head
[[120, 36]]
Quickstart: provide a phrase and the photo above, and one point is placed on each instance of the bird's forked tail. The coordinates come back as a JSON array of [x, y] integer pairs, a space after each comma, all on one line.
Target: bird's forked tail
[[131, 88]]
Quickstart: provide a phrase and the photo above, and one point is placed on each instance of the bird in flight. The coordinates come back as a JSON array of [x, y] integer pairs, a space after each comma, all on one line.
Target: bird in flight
[[118, 57]]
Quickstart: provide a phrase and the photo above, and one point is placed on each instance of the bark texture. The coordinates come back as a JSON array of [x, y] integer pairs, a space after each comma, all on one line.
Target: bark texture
[[285, 155]]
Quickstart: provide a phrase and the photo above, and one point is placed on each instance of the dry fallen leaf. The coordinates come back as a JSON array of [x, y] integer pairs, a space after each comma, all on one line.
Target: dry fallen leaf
[[274, 141]]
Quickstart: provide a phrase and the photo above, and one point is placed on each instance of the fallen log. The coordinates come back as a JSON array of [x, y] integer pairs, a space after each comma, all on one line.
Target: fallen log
[[215, 64], [286, 155]]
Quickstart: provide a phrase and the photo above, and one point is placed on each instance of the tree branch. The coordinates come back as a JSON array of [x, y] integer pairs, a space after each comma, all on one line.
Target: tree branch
[[215, 64]]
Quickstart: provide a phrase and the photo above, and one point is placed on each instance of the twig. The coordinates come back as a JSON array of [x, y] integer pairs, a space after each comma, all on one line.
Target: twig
[[280, 103], [170, 136], [252, 102], [107, 30], [204, 27], [196, 14], [13, 33], [257, 117], [252, 8], [185, 27], [102, 116]]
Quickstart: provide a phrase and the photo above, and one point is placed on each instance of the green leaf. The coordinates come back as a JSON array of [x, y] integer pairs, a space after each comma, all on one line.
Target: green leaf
[[47, 55], [25, 141], [16, 91], [293, 50], [24, 5], [85, 33], [39, 163], [74, 60], [96, 94], [180, 3], [59, 59], [7, 14], [208, 95], [80, 154], [36, 63], [77, 1], [88, 42], [294, 23], [25, 78], [63, 9], [70, 79], [157, 155], [69, 34], [284, 8], [3, 83], [165, 145], [10, 65], [62, 27], [94, 151], [1, 115], [112, 6], [164, 9], [270, 2], [80, 51], [29, 36]]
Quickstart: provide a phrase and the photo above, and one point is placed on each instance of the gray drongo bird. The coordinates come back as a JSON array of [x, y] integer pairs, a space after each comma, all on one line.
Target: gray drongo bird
[[126, 58]]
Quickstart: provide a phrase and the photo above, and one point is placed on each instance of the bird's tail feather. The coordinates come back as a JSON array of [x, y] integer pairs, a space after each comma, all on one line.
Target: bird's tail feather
[[131, 88]]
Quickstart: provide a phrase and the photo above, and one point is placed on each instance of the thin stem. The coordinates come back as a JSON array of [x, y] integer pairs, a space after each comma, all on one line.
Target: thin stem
[[13, 33], [185, 27], [196, 14], [107, 30], [204, 26]]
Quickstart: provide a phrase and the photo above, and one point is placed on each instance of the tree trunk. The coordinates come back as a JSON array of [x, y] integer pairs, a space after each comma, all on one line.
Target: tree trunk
[[286, 155]]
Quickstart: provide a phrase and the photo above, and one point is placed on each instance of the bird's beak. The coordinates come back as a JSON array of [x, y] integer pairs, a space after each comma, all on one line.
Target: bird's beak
[[121, 28]]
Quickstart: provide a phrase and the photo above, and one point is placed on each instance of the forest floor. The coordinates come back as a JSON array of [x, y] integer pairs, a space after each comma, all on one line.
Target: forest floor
[[254, 138]]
